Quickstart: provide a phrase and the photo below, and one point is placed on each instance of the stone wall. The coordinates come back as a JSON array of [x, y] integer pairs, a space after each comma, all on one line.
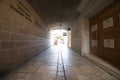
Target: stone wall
[[75, 36], [80, 36], [23, 34]]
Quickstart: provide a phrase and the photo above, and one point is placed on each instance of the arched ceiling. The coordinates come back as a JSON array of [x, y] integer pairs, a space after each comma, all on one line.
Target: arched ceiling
[[56, 13], [61, 14]]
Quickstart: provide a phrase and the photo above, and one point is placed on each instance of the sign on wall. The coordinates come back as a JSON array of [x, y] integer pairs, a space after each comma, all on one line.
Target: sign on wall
[[107, 23], [94, 43], [94, 28], [109, 43]]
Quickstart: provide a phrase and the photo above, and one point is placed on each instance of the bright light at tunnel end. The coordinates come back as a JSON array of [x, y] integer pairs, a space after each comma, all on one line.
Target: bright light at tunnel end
[[58, 37]]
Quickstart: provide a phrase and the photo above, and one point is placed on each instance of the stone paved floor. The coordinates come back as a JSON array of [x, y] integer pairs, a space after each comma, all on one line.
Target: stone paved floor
[[59, 63]]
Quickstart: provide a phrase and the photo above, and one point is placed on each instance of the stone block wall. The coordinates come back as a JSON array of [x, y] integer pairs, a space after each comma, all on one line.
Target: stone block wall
[[80, 36], [76, 36], [23, 34]]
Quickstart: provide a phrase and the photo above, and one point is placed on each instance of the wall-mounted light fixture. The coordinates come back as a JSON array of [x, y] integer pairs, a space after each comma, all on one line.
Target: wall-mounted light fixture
[[69, 29]]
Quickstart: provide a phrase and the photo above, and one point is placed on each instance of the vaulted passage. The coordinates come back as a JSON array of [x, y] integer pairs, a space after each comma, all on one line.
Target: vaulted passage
[[86, 45]]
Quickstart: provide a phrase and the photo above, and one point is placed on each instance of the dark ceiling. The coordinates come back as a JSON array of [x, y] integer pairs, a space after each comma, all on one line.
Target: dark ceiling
[[57, 12]]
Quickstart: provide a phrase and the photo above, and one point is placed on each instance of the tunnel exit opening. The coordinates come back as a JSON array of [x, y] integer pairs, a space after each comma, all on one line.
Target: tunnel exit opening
[[59, 37]]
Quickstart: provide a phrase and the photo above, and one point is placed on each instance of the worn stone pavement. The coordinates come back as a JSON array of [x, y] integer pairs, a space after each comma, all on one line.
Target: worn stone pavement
[[59, 63]]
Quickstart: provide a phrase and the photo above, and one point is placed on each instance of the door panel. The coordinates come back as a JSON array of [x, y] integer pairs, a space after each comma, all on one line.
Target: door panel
[[107, 34]]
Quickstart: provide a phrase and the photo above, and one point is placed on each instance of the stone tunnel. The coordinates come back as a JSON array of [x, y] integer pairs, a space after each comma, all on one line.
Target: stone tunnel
[[92, 50]]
